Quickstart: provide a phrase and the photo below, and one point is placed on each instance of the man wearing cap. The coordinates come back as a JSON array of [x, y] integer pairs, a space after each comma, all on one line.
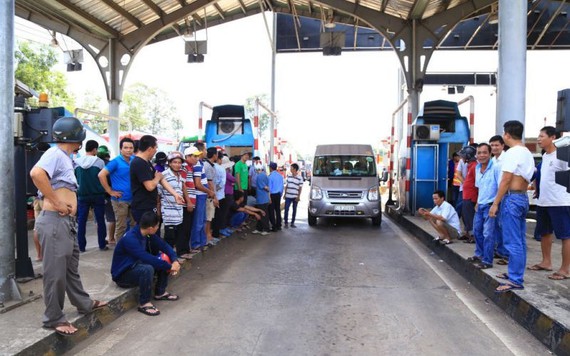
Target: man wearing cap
[[191, 155], [203, 192], [117, 170], [103, 153], [241, 174], [56, 227], [275, 191], [90, 194], [253, 175]]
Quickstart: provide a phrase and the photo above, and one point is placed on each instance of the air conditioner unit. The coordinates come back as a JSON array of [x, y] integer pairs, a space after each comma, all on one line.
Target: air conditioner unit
[[425, 132]]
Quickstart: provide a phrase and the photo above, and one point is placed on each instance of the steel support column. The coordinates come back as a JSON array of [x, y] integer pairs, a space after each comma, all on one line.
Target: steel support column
[[512, 62], [8, 287]]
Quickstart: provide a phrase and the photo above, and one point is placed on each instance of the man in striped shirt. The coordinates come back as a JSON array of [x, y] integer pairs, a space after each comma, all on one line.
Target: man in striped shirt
[[292, 193], [172, 212]]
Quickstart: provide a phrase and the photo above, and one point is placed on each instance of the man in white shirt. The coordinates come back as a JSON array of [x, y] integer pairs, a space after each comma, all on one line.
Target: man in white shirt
[[553, 208], [443, 218], [497, 148], [517, 169]]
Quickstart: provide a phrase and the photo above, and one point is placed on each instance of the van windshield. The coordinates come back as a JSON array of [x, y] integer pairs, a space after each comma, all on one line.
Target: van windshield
[[355, 166]]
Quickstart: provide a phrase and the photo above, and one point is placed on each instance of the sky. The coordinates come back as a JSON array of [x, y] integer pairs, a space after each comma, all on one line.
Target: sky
[[337, 99]]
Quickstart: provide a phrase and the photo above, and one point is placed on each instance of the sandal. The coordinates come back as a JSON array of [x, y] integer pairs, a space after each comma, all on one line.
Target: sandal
[[505, 287], [503, 276], [62, 332], [502, 262], [97, 304], [187, 256], [147, 310], [167, 296]]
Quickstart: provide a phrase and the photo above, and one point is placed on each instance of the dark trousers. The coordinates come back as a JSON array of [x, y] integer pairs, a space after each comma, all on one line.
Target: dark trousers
[[468, 215], [172, 233], [263, 223], [275, 211], [83, 207], [141, 275], [183, 242], [229, 202], [219, 221]]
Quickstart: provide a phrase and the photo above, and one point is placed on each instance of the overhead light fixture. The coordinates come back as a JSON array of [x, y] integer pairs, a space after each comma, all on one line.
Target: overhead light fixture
[[450, 90], [188, 35], [73, 59], [460, 89], [330, 22], [53, 42]]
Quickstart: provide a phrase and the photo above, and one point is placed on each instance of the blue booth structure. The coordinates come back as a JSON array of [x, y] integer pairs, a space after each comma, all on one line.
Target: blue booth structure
[[228, 128], [437, 133]]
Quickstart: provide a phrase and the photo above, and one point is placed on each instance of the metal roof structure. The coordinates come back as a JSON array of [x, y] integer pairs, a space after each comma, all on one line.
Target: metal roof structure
[[114, 31], [135, 21]]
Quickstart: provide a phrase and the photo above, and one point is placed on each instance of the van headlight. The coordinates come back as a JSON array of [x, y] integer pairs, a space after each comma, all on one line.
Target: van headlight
[[373, 193], [316, 193]]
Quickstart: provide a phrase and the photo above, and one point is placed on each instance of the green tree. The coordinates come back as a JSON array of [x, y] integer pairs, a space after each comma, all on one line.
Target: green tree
[[91, 101], [264, 117], [150, 110], [34, 68]]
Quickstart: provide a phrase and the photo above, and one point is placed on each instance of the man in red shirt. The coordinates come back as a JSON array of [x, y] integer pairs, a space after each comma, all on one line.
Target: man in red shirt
[[470, 191]]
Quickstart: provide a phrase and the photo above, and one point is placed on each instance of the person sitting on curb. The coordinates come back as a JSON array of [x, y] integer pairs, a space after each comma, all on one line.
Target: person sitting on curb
[[239, 213], [443, 218], [135, 262]]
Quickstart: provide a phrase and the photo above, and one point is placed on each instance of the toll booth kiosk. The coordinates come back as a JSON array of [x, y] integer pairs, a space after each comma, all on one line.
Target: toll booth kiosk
[[437, 133]]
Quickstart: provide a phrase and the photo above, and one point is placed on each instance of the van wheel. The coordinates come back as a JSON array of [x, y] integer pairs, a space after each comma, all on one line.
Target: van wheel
[[377, 221], [312, 220]]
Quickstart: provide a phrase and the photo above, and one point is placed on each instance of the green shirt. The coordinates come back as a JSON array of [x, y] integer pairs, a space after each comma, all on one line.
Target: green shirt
[[243, 171]]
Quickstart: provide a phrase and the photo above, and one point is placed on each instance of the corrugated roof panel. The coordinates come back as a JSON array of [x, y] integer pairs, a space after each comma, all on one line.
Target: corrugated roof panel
[[400, 9]]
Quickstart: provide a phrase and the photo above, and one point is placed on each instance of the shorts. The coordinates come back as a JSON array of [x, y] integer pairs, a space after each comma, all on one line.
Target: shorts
[[38, 206], [555, 219], [109, 213], [210, 209], [453, 233]]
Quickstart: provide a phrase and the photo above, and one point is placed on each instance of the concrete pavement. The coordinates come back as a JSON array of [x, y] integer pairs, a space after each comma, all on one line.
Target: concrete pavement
[[543, 307]]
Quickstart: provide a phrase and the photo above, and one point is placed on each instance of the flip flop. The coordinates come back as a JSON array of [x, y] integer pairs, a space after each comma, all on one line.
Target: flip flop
[[145, 310], [503, 276], [556, 276], [538, 267], [507, 287], [167, 296], [97, 304], [61, 332], [502, 262]]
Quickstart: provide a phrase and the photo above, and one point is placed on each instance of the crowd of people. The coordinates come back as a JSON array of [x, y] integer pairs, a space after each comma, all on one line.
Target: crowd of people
[[489, 183], [198, 197]]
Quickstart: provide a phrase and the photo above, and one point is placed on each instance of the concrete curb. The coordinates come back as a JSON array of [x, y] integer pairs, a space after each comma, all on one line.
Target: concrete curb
[[89, 324], [547, 330]]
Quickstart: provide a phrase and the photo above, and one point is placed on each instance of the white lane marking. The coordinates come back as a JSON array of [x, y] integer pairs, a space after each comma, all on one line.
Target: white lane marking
[[515, 346]]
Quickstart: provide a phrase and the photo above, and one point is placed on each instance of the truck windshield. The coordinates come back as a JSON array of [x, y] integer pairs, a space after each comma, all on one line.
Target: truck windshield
[[354, 166]]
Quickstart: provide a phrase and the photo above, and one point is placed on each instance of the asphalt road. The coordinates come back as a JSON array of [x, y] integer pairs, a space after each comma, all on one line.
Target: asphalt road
[[340, 288]]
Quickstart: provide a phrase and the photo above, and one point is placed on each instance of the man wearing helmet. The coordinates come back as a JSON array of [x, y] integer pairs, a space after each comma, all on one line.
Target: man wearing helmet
[[56, 226]]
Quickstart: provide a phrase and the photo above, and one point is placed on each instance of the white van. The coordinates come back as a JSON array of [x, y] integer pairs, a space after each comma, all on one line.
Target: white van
[[345, 183]]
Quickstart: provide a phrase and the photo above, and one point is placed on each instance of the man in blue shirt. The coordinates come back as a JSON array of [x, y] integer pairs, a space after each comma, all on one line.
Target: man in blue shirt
[[120, 187], [262, 199], [487, 180], [275, 191], [138, 256]]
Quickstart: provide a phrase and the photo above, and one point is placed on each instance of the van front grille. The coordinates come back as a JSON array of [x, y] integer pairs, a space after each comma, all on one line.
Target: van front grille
[[342, 194]]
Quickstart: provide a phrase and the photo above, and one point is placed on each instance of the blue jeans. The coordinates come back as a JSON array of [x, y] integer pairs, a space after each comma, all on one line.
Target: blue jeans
[[238, 219], [513, 216], [484, 231], [198, 235], [501, 250], [83, 207], [288, 202], [141, 275]]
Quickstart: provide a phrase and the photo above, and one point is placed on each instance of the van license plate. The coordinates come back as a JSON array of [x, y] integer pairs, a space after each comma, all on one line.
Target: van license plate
[[344, 208]]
